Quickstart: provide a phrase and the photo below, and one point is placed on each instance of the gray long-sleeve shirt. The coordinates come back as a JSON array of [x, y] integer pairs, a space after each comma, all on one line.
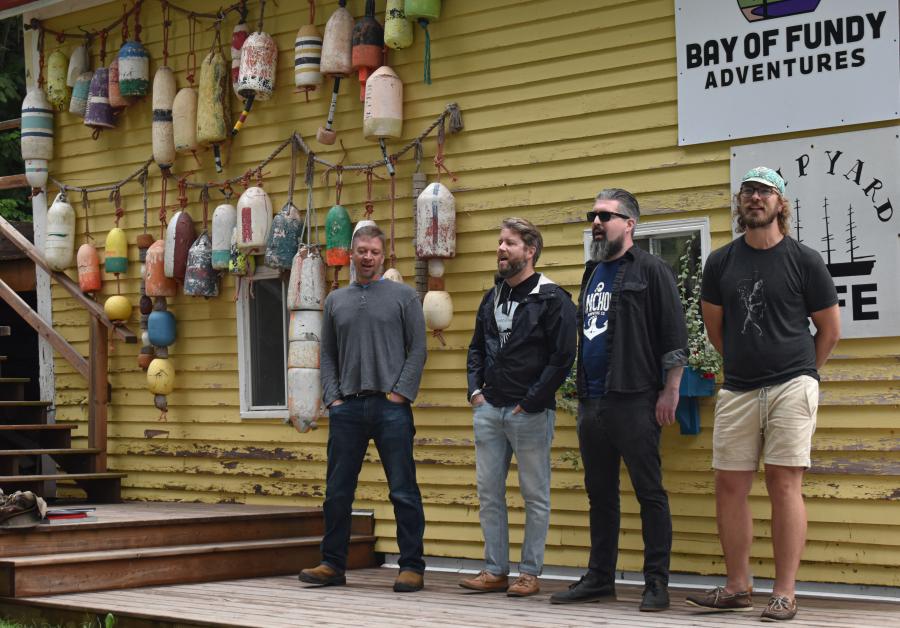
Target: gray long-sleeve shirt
[[373, 338]]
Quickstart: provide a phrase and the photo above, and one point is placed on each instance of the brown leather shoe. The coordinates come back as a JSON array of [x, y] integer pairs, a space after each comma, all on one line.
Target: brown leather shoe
[[409, 581], [485, 582], [323, 575], [525, 585]]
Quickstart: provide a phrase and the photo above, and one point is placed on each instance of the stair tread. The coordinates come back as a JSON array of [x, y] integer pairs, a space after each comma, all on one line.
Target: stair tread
[[170, 550], [23, 403], [14, 380], [20, 427], [18, 479], [48, 452]]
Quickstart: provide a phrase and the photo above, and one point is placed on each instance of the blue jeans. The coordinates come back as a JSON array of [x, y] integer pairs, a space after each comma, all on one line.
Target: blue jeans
[[350, 426], [498, 435]]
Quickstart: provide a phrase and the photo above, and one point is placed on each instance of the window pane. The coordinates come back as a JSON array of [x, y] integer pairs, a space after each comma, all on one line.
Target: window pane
[[266, 343], [643, 243], [671, 249]]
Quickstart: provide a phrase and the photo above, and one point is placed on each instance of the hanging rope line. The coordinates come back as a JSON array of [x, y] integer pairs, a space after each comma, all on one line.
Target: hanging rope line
[[452, 114]]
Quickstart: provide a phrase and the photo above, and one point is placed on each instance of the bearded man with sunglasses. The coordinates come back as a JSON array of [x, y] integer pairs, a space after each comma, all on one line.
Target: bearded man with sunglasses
[[633, 348], [759, 293]]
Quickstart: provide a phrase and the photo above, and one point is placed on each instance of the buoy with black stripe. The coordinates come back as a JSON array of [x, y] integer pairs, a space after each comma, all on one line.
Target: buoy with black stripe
[[307, 59], [163, 135], [336, 63], [214, 106], [367, 52], [36, 137]]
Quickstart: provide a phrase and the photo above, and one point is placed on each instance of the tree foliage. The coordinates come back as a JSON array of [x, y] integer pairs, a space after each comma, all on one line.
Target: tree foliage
[[14, 204]]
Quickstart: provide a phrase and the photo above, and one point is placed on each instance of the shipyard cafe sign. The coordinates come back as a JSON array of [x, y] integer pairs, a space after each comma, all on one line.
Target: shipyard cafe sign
[[844, 193], [758, 67]]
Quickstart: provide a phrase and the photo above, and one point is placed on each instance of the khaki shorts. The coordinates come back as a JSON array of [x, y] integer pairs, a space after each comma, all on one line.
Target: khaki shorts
[[778, 421]]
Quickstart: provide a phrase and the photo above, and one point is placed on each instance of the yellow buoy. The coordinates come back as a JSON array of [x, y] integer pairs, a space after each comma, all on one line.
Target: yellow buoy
[[161, 377], [117, 308]]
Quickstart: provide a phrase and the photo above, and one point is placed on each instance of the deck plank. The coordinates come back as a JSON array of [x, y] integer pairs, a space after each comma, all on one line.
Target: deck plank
[[368, 600]]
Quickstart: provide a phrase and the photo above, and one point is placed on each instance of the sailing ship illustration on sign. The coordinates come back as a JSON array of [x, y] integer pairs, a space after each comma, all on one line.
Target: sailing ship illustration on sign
[[755, 10], [859, 265]]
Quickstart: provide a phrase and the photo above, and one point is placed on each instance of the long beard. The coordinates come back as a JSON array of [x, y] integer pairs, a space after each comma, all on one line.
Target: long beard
[[605, 249], [512, 268]]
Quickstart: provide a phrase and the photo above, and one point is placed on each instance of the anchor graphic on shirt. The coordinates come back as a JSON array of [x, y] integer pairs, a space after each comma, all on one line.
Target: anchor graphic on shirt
[[591, 331]]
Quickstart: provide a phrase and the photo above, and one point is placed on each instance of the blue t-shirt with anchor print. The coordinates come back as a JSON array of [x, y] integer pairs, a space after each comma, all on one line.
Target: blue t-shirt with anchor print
[[594, 326]]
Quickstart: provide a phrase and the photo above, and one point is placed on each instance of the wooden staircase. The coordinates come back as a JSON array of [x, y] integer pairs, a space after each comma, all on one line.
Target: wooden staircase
[[26, 438], [144, 544]]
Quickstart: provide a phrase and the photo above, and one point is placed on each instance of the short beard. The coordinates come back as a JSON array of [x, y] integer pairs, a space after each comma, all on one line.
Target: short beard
[[751, 222], [603, 250], [512, 269]]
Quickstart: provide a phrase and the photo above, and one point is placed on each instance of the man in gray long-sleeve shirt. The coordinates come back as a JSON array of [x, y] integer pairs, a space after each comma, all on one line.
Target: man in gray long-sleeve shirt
[[372, 357]]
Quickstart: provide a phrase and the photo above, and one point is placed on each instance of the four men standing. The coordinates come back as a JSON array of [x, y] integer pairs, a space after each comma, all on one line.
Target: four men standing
[[758, 293]]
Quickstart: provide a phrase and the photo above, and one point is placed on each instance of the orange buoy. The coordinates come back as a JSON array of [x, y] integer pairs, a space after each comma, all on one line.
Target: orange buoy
[[88, 268]]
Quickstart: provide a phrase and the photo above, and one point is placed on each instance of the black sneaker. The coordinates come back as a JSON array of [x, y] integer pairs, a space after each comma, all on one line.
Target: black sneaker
[[655, 597], [588, 589]]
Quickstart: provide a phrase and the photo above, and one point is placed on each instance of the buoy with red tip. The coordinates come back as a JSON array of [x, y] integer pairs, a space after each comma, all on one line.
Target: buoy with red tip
[[367, 52], [336, 62]]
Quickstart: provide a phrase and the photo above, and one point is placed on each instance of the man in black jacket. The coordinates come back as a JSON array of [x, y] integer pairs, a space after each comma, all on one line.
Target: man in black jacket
[[522, 349], [633, 332]]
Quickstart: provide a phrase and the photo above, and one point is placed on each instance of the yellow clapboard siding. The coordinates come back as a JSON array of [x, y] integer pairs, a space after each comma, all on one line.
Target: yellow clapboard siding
[[559, 99]]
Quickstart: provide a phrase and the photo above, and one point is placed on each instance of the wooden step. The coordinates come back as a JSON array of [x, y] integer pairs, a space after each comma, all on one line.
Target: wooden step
[[22, 411], [70, 460], [36, 435], [137, 525], [13, 387], [29, 576], [100, 487]]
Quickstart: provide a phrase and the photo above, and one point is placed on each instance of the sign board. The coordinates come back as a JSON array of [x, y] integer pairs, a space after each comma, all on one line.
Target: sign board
[[845, 202], [757, 67]]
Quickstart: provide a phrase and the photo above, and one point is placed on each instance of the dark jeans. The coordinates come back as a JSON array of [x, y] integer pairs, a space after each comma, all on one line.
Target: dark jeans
[[350, 426], [618, 428]]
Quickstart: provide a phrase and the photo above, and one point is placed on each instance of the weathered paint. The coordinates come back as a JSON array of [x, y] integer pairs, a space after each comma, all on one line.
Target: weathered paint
[[553, 114]]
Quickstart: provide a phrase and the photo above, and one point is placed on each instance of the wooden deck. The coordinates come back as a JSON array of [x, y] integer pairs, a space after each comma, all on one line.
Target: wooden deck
[[369, 601]]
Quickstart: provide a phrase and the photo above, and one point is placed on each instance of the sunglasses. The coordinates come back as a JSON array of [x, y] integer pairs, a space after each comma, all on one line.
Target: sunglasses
[[605, 216]]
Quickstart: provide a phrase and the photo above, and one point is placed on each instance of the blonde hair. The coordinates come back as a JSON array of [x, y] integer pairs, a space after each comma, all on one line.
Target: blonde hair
[[783, 218]]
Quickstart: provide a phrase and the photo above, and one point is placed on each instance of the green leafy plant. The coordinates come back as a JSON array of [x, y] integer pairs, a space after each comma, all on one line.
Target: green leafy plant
[[702, 356], [567, 395]]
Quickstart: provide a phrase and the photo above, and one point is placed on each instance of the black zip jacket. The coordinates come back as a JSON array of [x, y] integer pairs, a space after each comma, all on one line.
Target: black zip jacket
[[646, 333], [537, 356]]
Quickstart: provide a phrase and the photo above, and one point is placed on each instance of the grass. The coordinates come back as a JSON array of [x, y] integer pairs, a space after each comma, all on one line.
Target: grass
[[108, 622]]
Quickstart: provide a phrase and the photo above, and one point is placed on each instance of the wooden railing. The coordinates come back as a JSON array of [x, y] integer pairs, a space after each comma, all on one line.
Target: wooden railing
[[95, 368]]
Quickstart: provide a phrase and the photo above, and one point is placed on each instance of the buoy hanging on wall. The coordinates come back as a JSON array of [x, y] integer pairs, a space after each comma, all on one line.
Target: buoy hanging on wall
[[424, 12], [57, 73], [337, 44], [398, 32], [116, 252], [223, 222], [59, 250], [338, 232], [256, 78], [36, 137], [146, 355], [383, 110], [88, 268], [99, 115], [78, 104], [180, 235], [184, 121], [162, 131], [306, 287], [134, 69], [117, 308], [306, 297], [436, 222], [214, 107], [116, 100], [238, 37], [307, 59], [156, 282], [367, 52], [200, 278], [79, 62], [281, 243], [161, 376], [254, 216]]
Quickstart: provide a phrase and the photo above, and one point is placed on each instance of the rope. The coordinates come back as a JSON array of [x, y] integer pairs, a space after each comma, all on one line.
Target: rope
[[204, 200], [370, 206], [137, 20], [143, 182], [162, 208], [86, 204], [192, 55], [439, 156], [167, 22], [451, 111], [262, 11], [292, 181], [125, 13], [312, 11], [116, 197], [424, 24], [40, 45], [103, 35]]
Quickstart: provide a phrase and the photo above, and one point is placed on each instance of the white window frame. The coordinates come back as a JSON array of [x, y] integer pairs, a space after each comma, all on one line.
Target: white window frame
[[245, 383], [680, 226]]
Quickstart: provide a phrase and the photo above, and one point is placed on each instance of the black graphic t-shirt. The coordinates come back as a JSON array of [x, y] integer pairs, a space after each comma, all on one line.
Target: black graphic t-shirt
[[594, 353], [767, 297], [507, 301]]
